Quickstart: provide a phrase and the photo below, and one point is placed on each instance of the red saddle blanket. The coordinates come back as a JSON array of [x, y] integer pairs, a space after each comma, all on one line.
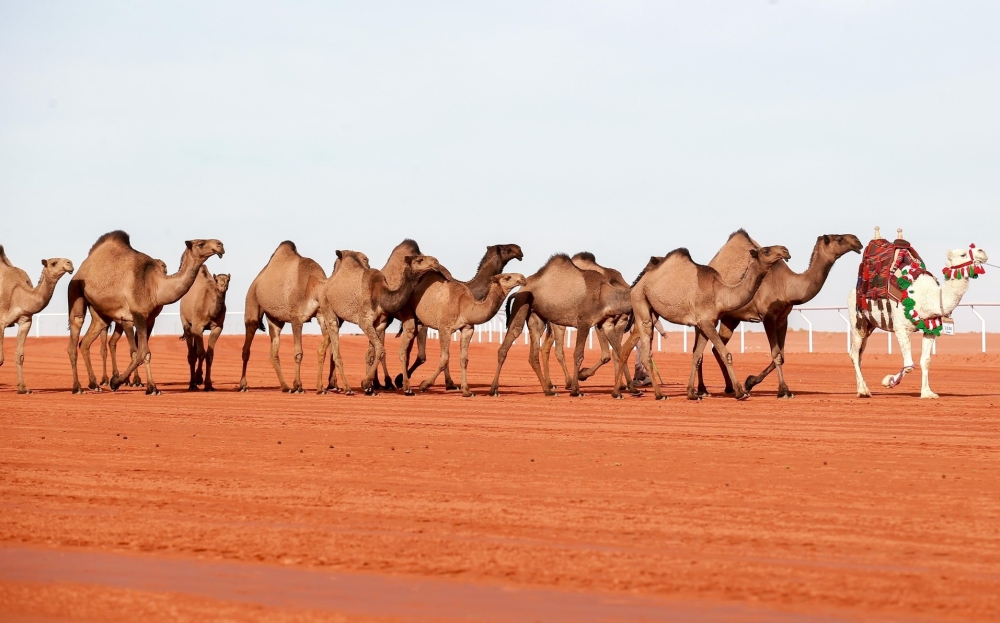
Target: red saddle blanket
[[881, 266]]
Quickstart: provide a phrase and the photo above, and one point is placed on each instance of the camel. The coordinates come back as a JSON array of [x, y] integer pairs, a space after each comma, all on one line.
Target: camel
[[931, 301], [19, 301], [203, 307], [357, 293], [556, 334], [116, 334], [497, 257], [393, 272], [563, 294], [285, 291], [680, 291], [119, 283], [450, 306], [778, 293]]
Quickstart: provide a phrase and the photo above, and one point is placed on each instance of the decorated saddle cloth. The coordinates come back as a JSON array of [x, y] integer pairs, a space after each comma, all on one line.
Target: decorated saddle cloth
[[888, 269]]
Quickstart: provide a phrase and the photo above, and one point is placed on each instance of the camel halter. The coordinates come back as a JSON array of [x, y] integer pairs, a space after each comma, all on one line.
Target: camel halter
[[969, 270]]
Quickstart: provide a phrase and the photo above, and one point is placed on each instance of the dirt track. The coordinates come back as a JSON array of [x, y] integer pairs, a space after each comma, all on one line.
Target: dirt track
[[822, 505]]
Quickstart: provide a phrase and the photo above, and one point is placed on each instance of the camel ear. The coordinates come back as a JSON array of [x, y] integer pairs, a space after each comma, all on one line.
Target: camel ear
[[655, 261], [754, 254], [189, 243], [409, 258], [44, 263], [340, 254], [826, 239]]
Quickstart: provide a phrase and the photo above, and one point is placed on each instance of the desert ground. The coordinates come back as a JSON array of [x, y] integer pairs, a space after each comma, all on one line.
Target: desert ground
[[194, 506]]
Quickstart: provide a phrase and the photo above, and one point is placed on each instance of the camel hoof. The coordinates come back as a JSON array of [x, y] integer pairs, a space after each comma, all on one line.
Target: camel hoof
[[25, 390], [743, 396], [451, 388], [408, 392], [694, 396], [94, 387], [104, 380], [78, 391], [663, 397], [864, 394], [349, 392], [749, 383], [137, 382], [198, 379], [785, 394], [152, 391], [209, 388], [114, 384], [243, 389], [192, 387], [388, 385], [321, 392], [929, 396], [576, 394], [635, 393], [468, 395], [297, 390], [617, 396], [375, 384], [399, 381]]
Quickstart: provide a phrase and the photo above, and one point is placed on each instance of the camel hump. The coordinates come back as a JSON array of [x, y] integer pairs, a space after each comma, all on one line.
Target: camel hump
[[683, 253], [586, 256], [287, 246], [739, 232], [558, 258], [411, 244], [117, 236]]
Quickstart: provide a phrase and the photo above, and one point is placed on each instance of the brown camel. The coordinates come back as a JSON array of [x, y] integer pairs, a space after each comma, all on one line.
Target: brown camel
[[780, 290], [286, 291], [116, 334], [357, 293], [494, 260], [680, 291], [393, 272], [19, 301], [203, 307], [119, 283], [563, 294], [450, 306], [556, 334]]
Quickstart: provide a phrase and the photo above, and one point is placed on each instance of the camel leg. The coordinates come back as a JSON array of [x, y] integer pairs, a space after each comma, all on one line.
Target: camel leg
[[709, 330], [926, 350], [77, 309], [859, 340], [97, 325], [208, 355], [274, 330], [192, 357], [514, 328], [578, 360], [772, 329], [467, 333], [251, 330], [643, 331], [445, 338], [333, 330], [23, 326], [535, 328], [545, 350], [378, 353], [142, 337], [297, 350], [408, 335], [387, 385], [779, 361], [903, 339], [421, 332], [726, 329], [199, 371], [697, 356], [449, 383], [104, 358], [603, 340]]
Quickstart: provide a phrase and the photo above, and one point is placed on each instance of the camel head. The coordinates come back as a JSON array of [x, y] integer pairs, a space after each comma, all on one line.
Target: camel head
[[958, 257], [356, 256], [56, 267], [204, 249], [839, 244], [422, 264], [769, 256], [222, 283], [508, 252], [509, 281]]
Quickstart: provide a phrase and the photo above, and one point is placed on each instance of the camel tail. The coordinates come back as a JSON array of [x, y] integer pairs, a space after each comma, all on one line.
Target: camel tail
[[510, 301], [631, 321]]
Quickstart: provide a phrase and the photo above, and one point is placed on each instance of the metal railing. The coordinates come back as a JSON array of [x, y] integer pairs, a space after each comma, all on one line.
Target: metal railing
[[842, 310], [497, 326]]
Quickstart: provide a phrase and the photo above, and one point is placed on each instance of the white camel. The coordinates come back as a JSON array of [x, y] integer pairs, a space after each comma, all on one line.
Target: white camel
[[931, 301]]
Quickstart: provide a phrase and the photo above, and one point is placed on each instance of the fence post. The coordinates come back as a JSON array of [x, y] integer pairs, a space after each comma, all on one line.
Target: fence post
[[743, 341], [685, 338], [809, 322], [848, 323], [889, 341], [982, 325]]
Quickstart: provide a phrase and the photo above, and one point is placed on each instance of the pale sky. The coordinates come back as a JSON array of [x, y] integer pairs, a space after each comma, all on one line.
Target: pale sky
[[623, 128]]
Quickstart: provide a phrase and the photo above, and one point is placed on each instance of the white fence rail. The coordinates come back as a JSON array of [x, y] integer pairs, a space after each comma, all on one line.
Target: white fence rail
[[168, 323]]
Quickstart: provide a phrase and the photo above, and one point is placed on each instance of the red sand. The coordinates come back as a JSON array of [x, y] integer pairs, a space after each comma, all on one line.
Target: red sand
[[824, 505]]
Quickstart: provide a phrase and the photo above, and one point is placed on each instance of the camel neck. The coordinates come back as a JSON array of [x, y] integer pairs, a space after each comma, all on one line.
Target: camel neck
[[951, 294], [41, 294], [391, 301], [485, 308], [482, 283], [169, 289], [732, 297], [803, 287]]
